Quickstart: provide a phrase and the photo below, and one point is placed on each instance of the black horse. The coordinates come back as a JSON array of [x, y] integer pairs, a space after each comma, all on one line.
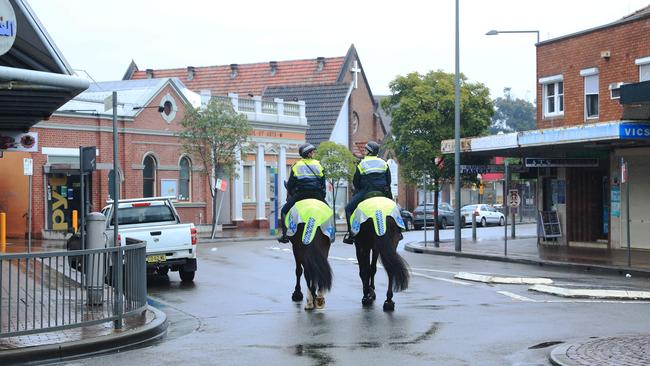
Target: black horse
[[369, 246], [312, 258]]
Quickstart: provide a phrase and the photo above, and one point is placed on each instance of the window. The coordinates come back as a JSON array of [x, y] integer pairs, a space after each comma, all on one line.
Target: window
[[644, 68], [615, 90], [149, 177], [553, 95], [591, 96], [185, 177], [248, 182]]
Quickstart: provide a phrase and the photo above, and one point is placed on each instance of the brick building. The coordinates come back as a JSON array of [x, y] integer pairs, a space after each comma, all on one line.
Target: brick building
[[592, 119], [339, 106]]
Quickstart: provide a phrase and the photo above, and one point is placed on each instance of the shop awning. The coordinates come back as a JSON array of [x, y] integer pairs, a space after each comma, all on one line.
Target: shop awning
[[35, 79], [559, 141]]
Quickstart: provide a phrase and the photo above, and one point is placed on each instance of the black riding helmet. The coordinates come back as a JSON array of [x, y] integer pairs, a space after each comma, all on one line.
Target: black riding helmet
[[305, 149], [372, 148]]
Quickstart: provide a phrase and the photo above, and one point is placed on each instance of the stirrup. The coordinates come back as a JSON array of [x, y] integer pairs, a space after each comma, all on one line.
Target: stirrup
[[283, 239], [349, 238]]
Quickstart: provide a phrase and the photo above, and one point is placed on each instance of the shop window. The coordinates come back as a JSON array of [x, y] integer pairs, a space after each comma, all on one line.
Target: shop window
[[149, 177], [184, 179]]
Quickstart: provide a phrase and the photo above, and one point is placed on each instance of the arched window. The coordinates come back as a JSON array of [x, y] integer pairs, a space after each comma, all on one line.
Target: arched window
[[185, 178], [149, 177]]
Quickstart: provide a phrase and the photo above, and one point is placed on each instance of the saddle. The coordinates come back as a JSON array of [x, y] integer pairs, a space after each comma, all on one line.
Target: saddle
[[377, 209], [314, 214]]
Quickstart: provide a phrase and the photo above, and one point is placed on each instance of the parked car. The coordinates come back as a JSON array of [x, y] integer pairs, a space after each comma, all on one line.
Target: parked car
[[407, 217], [445, 215], [171, 245], [485, 214]]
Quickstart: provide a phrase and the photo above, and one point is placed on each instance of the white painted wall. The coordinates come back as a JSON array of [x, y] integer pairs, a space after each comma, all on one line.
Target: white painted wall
[[639, 185], [341, 130]]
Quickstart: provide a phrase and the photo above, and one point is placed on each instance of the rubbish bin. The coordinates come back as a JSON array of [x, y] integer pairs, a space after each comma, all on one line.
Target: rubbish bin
[[95, 266]]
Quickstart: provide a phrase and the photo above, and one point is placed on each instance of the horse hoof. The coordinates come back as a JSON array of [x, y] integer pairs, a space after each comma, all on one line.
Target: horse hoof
[[309, 307], [373, 296], [389, 305], [366, 301], [297, 296], [320, 302]]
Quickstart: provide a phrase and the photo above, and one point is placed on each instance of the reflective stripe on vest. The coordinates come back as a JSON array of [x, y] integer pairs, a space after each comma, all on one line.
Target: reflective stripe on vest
[[307, 169], [372, 164]]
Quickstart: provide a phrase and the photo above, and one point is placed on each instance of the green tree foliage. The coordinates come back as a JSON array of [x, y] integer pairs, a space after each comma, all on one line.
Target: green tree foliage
[[339, 165], [422, 112], [512, 115], [212, 135]]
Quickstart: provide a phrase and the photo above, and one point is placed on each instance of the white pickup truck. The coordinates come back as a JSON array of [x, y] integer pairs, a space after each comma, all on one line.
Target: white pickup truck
[[171, 245]]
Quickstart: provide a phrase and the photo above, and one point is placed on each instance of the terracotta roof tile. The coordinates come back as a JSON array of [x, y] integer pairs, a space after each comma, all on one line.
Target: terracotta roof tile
[[254, 78]]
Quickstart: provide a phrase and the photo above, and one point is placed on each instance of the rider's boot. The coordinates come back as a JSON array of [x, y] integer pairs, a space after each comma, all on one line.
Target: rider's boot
[[349, 238], [283, 238]]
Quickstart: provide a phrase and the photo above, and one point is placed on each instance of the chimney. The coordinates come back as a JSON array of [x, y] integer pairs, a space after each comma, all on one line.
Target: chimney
[[320, 63], [234, 70], [149, 73], [274, 67], [190, 73]]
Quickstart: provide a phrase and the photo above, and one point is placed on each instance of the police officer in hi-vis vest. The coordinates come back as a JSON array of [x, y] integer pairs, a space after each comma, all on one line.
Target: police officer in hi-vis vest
[[372, 174], [305, 181]]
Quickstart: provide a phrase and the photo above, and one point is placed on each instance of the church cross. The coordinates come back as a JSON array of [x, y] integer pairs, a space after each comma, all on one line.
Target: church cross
[[356, 70]]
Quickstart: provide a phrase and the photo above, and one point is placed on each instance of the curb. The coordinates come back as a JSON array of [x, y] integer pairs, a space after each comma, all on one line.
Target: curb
[[558, 355], [503, 280], [591, 293], [237, 239], [540, 262], [132, 338]]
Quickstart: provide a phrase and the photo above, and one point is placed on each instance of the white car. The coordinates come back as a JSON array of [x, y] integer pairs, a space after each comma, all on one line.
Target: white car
[[485, 214]]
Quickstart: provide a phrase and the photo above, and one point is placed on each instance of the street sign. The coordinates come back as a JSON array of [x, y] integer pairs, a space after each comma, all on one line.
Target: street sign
[[221, 185], [513, 198], [108, 103], [28, 166], [88, 158]]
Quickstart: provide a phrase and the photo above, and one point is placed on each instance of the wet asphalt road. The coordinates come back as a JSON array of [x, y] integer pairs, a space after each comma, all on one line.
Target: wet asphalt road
[[239, 312]]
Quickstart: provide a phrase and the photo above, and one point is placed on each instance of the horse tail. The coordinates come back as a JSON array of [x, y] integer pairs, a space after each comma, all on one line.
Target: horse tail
[[316, 261], [396, 267]]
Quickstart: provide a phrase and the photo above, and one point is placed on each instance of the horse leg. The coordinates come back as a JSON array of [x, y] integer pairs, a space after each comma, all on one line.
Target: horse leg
[[310, 292], [320, 300], [389, 305], [373, 271], [363, 257], [297, 294]]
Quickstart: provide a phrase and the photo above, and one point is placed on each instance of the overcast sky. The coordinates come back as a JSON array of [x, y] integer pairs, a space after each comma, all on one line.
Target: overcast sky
[[392, 37]]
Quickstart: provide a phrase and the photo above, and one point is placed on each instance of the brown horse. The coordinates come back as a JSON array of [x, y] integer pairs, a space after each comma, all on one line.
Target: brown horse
[[312, 259], [309, 227], [369, 246]]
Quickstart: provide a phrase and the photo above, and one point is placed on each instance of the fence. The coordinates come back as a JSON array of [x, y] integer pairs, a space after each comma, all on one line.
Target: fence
[[51, 291]]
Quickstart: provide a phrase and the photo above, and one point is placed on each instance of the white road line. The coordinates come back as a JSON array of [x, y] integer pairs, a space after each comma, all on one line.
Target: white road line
[[350, 259], [441, 279], [432, 270], [516, 297]]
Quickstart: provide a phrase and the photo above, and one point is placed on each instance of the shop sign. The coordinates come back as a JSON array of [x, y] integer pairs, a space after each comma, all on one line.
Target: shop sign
[[17, 141], [8, 26], [560, 162], [634, 131]]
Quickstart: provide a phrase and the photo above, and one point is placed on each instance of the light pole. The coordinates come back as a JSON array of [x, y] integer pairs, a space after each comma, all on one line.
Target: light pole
[[457, 242], [497, 32]]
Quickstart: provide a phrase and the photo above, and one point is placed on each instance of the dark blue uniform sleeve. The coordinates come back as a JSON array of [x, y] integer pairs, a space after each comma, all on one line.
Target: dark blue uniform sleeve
[[356, 181], [389, 192], [291, 183]]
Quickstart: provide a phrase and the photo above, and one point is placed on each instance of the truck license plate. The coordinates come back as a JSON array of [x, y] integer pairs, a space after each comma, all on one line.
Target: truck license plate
[[156, 258]]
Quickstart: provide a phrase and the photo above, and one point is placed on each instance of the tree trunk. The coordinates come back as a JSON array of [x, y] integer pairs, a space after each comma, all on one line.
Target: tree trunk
[[436, 230], [215, 219]]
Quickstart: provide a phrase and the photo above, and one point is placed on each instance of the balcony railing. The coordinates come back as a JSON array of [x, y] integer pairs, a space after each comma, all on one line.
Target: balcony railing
[[266, 110]]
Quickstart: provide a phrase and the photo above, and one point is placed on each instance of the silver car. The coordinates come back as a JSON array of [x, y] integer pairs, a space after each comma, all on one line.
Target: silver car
[[485, 214]]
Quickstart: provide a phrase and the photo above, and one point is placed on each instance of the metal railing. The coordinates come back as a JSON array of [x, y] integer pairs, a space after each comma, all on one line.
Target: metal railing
[[51, 291]]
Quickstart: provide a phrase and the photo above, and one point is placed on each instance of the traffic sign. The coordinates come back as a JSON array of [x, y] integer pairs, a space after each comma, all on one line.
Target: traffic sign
[[28, 166], [513, 198]]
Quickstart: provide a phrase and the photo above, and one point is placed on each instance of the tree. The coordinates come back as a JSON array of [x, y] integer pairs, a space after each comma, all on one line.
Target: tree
[[512, 115], [339, 165], [215, 135], [422, 112]]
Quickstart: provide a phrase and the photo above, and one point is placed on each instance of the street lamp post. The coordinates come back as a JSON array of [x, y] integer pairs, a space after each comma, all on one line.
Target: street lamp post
[[457, 241], [496, 32]]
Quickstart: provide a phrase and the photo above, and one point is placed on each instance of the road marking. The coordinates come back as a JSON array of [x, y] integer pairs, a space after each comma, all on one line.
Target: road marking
[[503, 280], [433, 270], [592, 293], [516, 297], [349, 259], [441, 279]]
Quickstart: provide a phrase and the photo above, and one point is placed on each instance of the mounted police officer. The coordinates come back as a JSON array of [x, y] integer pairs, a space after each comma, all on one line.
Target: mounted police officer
[[372, 175], [305, 181]]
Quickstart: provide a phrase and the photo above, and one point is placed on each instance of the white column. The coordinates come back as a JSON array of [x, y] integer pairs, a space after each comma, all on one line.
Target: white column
[[238, 190], [260, 183], [282, 175]]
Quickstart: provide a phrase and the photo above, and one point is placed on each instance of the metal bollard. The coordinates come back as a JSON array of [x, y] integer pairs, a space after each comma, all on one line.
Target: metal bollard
[[3, 232], [473, 228], [75, 223], [95, 271]]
